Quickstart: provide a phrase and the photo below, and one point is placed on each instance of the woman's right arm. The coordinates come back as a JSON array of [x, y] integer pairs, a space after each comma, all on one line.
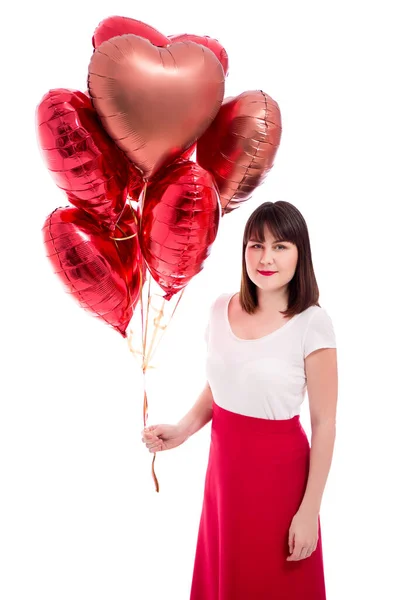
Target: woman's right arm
[[200, 413]]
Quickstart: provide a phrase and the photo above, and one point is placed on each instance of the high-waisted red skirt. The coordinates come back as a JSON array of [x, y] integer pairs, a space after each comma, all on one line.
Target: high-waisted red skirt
[[255, 481]]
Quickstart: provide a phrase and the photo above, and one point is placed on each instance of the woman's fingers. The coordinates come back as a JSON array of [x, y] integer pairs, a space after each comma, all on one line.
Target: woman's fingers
[[157, 448], [153, 443], [305, 552], [154, 446]]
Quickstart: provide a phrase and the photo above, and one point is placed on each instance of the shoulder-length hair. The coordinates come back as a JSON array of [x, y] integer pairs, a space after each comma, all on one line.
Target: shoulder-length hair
[[286, 223]]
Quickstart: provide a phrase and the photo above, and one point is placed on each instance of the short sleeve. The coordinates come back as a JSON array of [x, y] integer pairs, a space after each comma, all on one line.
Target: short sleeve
[[320, 333], [208, 325]]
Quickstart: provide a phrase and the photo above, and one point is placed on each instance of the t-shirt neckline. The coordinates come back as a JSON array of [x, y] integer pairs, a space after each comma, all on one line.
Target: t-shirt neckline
[[264, 337]]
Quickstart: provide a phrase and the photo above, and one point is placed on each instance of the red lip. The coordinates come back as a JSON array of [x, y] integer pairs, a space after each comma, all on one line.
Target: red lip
[[267, 272]]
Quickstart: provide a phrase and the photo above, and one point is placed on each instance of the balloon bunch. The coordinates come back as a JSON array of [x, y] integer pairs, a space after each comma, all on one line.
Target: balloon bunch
[[121, 151]]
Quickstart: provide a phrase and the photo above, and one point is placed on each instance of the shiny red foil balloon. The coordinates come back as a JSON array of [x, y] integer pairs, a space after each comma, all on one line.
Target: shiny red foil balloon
[[154, 102], [239, 147], [208, 42], [82, 158], [113, 26], [101, 274], [180, 218]]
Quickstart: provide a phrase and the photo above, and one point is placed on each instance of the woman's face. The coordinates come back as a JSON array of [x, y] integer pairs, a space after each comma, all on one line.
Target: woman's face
[[270, 255]]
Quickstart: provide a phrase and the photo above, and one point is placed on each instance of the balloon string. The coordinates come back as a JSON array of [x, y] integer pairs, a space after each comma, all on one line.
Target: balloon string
[[145, 411], [143, 199], [125, 276], [164, 327], [157, 326], [145, 359], [133, 211], [144, 341], [148, 354], [120, 239], [128, 237]]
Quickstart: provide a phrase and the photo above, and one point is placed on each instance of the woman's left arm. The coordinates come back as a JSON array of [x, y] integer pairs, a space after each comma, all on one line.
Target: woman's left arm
[[322, 387]]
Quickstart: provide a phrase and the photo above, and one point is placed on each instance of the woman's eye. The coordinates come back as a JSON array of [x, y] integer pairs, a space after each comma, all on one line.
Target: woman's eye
[[277, 246]]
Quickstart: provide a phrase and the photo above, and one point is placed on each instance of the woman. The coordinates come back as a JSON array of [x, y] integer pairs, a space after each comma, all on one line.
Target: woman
[[259, 536]]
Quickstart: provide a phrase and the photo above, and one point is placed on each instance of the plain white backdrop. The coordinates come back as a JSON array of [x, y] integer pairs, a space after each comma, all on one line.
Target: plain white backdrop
[[79, 515]]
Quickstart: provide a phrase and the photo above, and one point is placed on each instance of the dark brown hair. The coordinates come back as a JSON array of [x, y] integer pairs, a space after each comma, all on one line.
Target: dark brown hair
[[286, 223]]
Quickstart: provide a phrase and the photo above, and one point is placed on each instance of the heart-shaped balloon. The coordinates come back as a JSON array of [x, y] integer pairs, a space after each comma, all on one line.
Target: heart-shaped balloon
[[240, 146], [103, 275], [82, 159], [113, 26], [180, 219], [154, 102], [208, 42]]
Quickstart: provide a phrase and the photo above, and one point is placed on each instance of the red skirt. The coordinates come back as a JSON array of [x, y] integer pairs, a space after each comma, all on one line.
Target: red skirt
[[255, 481]]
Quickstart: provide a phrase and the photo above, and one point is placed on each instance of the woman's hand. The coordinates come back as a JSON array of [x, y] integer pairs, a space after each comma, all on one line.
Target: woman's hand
[[163, 437], [303, 535]]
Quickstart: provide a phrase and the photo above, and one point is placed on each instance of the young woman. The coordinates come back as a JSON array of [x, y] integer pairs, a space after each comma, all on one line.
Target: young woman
[[259, 536]]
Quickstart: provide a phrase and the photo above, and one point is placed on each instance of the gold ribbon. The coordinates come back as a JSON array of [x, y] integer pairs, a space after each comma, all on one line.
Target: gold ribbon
[[145, 354]]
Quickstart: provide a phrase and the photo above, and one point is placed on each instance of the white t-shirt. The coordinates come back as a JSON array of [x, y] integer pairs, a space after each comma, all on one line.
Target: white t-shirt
[[264, 377]]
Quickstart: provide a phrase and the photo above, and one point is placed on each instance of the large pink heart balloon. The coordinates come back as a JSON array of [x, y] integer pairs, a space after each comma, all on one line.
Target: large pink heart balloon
[[154, 102], [112, 26], [208, 42]]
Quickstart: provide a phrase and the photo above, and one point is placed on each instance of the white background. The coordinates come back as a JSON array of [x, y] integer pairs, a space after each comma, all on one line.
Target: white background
[[79, 514]]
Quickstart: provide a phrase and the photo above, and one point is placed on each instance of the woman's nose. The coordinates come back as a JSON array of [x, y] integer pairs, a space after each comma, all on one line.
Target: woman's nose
[[266, 257]]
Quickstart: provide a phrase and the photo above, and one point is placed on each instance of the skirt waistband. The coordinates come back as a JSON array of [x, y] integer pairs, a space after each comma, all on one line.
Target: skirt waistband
[[254, 424]]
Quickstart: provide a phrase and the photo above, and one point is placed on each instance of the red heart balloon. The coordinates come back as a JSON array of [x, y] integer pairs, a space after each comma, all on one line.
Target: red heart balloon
[[154, 102], [208, 42], [81, 157], [103, 275], [113, 26], [180, 218], [239, 147]]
